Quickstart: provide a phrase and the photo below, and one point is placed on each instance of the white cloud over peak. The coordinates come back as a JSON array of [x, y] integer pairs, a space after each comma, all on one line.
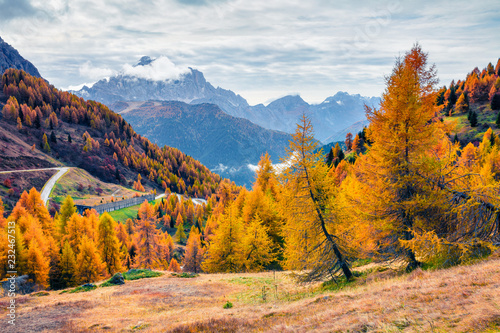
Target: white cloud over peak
[[161, 69], [87, 70]]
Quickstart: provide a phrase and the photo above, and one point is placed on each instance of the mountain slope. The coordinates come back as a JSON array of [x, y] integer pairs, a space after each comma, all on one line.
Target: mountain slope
[[353, 129], [88, 135], [221, 142], [334, 114], [10, 58]]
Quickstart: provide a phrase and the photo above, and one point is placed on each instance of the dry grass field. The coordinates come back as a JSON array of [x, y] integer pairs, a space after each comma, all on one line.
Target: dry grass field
[[459, 299]]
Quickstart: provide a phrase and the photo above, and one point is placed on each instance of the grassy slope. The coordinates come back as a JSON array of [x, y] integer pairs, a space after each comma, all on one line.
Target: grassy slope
[[68, 185], [123, 214], [459, 299], [485, 118]]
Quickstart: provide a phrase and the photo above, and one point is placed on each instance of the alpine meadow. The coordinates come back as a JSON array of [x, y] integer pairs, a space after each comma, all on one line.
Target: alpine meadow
[[102, 228]]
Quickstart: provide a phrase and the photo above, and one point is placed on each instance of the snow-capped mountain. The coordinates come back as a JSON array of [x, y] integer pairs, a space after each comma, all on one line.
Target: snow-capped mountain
[[190, 86]]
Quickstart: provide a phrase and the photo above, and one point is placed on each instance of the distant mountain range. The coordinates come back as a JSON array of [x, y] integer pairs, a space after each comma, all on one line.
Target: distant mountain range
[[331, 116], [227, 145], [10, 58]]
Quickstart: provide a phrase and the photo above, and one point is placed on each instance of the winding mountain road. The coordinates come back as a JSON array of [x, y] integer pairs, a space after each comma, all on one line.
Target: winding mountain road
[[49, 185]]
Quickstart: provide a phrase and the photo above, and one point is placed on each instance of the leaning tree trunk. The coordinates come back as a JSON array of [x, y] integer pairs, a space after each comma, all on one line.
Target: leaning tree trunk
[[340, 258]]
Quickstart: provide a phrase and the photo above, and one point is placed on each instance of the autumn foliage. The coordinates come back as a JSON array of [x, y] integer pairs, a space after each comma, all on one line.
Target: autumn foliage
[[404, 191], [105, 145]]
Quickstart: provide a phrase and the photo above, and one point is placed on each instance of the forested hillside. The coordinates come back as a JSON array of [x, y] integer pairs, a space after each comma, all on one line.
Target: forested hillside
[[221, 142], [88, 135]]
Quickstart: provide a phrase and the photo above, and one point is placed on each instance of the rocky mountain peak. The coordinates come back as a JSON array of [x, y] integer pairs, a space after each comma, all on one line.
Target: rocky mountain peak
[[144, 61], [10, 58]]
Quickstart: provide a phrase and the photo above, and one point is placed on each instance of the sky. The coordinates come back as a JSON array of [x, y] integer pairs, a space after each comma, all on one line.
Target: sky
[[260, 49]]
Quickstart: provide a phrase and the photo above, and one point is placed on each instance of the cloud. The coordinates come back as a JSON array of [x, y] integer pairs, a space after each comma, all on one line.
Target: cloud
[[161, 69], [12, 9], [199, 2], [260, 49], [79, 86], [277, 167], [94, 73]]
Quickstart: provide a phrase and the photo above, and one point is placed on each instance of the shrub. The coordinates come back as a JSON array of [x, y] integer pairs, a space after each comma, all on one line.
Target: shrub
[[7, 183], [439, 253], [228, 305], [135, 274]]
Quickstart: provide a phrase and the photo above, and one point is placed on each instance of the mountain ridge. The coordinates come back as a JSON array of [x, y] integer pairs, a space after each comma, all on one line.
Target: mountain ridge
[[332, 115], [10, 58], [223, 143]]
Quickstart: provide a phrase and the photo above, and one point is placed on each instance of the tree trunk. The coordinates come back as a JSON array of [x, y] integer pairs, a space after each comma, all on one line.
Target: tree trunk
[[412, 261], [340, 258]]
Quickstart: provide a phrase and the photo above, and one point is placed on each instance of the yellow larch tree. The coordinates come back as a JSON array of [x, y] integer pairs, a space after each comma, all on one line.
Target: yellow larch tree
[[67, 210], [90, 266], [74, 231], [108, 244], [147, 237], [257, 248], [403, 133], [180, 235], [68, 266], [37, 265], [194, 253], [305, 202], [224, 250]]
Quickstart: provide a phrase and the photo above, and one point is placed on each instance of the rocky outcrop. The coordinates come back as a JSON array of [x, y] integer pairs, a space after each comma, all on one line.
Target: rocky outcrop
[[10, 58]]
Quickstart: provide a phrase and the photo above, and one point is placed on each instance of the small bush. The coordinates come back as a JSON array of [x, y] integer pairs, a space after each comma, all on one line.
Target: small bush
[[185, 275], [40, 294], [135, 274], [81, 289], [116, 280], [228, 305]]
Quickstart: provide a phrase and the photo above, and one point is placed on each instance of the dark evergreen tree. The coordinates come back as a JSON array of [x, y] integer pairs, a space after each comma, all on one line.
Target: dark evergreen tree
[[69, 138], [452, 98], [490, 69], [495, 102], [53, 137], [473, 119], [329, 158], [498, 119], [339, 158], [440, 96], [37, 122]]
